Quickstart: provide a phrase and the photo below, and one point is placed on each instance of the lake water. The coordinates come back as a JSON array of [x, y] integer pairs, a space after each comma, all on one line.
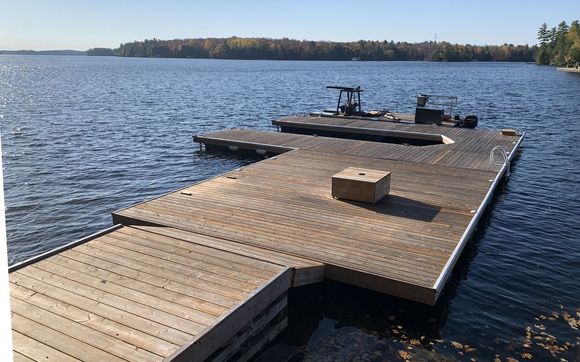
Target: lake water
[[83, 136]]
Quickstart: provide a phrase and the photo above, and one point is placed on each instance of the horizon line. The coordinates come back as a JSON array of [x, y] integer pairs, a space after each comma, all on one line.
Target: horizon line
[[264, 37]]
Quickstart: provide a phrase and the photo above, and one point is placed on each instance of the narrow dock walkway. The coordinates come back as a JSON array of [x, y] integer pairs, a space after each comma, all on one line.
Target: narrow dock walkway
[[149, 294], [464, 153]]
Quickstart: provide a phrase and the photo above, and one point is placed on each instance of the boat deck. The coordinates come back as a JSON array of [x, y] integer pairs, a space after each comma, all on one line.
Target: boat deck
[[146, 293], [464, 144]]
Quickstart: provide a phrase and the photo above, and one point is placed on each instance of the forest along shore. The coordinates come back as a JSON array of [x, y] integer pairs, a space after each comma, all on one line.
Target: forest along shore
[[289, 49]]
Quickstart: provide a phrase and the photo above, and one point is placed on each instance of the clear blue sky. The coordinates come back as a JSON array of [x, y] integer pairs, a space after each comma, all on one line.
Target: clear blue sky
[[82, 24]]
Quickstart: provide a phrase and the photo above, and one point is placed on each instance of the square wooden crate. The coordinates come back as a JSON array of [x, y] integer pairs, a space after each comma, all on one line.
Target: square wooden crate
[[361, 184]]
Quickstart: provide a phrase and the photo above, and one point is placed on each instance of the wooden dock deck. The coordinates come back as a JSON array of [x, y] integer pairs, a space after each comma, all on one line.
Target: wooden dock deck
[[457, 147], [464, 153], [203, 272], [148, 293], [569, 70], [406, 245]]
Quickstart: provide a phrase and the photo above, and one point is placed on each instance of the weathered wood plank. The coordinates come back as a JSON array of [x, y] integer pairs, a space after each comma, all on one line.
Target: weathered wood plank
[[305, 271], [59, 341], [172, 321], [256, 236], [197, 278], [17, 357], [122, 288], [118, 315], [37, 351], [114, 329], [94, 341], [176, 292], [167, 280], [213, 256], [250, 272]]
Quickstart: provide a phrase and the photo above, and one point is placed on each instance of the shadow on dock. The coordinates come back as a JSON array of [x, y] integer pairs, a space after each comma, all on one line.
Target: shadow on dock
[[394, 205]]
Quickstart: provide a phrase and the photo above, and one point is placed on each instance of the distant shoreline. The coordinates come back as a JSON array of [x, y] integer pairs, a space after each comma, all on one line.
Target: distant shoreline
[[80, 53], [110, 52], [236, 48], [43, 52]]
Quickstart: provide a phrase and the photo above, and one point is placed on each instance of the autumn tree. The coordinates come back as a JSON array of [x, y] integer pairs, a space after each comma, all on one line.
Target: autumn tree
[[574, 38], [288, 49]]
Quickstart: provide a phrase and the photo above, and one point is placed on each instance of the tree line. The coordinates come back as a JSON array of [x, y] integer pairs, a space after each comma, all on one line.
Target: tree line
[[559, 45], [288, 49]]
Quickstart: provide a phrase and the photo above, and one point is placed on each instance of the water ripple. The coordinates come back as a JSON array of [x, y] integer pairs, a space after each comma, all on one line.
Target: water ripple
[[83, 136]]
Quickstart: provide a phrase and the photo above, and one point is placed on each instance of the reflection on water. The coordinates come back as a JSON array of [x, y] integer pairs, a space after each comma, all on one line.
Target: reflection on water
[[83, 136]]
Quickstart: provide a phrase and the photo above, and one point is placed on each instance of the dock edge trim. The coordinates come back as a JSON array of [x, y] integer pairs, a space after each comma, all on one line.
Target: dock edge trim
[[46, 254], [192, 349], [446, 273], [367, 131]]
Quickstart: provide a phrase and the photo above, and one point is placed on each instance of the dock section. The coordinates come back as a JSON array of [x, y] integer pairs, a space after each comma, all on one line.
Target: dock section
[[203, 272], [147, 293], [449, 146], [405, 245], [463, 153], [575, 70]]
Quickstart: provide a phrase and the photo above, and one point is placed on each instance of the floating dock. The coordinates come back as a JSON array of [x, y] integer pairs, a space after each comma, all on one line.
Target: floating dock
[[148, 293], [570, 70], [203, 272]]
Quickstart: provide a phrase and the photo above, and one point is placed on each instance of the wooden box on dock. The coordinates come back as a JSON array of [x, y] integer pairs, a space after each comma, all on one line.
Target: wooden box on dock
[[509, 132], [361, 184]]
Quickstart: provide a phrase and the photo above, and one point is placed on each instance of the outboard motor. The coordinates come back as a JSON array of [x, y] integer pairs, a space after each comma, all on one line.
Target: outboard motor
[[422, 100], [469, 122]]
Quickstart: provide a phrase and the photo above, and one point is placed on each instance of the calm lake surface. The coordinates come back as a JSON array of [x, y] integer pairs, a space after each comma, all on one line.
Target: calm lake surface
[[84, 136]]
